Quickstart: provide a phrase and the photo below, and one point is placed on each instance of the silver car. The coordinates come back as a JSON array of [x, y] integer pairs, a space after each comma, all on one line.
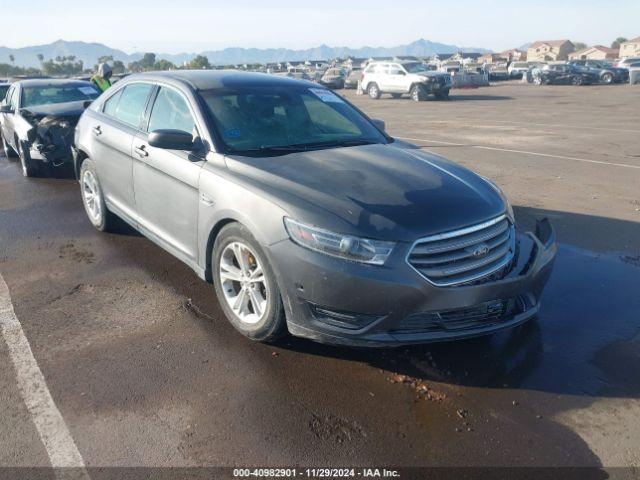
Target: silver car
[[304, 214]]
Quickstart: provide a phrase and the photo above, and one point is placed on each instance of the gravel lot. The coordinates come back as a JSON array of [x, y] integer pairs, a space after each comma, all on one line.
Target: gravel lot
[[144, 369]]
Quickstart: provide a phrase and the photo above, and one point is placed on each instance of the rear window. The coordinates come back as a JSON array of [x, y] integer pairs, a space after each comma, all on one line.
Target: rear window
[[50, 94]]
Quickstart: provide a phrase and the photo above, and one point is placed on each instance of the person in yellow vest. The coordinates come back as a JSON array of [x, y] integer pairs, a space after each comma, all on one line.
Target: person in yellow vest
[[102, 78]]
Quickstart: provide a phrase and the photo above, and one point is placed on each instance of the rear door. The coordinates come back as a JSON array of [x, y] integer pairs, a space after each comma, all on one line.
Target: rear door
[[114, 130], [166, 181]]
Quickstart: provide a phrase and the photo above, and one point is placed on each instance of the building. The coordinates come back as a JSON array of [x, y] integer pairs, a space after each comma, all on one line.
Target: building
[[597, 52], [515, 54], [630, 48], [549, 50], [492, 58]]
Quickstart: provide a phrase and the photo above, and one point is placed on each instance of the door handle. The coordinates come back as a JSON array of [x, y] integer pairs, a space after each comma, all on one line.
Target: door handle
[[206, 199], [97, 131], [140, 151]]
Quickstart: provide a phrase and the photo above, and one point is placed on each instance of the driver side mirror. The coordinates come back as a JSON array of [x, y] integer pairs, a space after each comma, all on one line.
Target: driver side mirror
[[379, 124], [172, 140], [6, 108]]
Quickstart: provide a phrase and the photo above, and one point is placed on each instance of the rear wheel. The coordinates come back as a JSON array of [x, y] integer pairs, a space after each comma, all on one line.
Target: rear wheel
[[538, 81], [417, 94], [246, 286], [374, 91], [8, 150], [607, 78], [577, 80], [93, 199]]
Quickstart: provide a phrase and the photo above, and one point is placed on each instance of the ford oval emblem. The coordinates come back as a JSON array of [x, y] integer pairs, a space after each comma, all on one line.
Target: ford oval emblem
[[480, 250]]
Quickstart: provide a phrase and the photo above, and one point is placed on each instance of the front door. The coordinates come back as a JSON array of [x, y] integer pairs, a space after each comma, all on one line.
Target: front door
[[166, 181]]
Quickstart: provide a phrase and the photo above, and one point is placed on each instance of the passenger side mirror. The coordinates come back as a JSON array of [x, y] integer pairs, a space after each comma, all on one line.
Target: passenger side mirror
[[6, 108], [380, 125], [172, 140]]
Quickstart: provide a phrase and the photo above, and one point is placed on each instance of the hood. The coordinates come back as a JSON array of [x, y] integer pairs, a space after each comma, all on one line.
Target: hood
[[432, 73], [376, 191], [67, 109]]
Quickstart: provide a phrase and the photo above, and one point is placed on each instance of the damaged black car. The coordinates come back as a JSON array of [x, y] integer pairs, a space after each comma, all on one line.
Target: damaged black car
[[38, 119]]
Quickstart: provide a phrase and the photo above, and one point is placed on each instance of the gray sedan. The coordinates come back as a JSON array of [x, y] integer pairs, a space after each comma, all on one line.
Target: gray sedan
[[304, 214]]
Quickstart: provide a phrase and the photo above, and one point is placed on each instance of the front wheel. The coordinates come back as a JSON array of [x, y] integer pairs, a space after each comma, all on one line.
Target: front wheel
[[538, 81], [577, 80], [246, 286], [93, 199], [8, 151], [417, 94], [29, 167], [607, 78]]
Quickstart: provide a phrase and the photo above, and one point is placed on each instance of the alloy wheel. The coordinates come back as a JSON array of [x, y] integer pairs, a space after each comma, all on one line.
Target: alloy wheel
[[91, 196], [243, 282]]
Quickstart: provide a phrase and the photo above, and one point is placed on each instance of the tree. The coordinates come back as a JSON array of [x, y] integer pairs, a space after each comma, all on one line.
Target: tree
[[62, 65], [163, 64], [105, 59], [12, 59], [117, 67], [147, 62], [580, 46], [199, 63], [40, 57], [616, 43]]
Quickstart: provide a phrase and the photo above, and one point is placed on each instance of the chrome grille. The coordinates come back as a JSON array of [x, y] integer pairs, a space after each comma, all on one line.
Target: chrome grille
[[465, 255]]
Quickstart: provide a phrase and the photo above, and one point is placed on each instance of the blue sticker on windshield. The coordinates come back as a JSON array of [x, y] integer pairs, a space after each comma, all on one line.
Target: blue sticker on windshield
[[233, 132]]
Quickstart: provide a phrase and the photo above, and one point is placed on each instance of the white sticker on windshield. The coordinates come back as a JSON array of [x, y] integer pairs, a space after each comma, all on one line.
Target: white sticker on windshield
[[88, 90], [326, 95]]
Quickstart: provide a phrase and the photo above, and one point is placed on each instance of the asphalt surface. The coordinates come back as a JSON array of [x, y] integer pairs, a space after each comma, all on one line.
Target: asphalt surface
[[145, 370]]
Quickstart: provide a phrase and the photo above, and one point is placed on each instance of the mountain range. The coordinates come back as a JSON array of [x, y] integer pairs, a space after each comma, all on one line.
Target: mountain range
[[90, 52]]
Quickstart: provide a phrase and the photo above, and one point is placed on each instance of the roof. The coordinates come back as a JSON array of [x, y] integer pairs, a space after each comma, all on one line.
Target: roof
[[602, 48], [212, 79], [633, 40], [551, 43], [43, 82]]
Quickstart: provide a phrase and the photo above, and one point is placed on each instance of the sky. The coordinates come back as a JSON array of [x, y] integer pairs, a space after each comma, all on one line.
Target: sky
[[199, 25]]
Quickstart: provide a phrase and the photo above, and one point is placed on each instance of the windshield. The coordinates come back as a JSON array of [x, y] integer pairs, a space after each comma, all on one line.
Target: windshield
[[49, 94], [415, 67], [280, 119]]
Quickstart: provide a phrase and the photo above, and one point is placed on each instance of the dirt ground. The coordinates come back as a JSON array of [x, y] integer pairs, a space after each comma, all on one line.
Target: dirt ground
[[145, 370]]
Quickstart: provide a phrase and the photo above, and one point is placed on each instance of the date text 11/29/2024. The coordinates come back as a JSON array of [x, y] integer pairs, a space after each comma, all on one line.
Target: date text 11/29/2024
[[328, 473]]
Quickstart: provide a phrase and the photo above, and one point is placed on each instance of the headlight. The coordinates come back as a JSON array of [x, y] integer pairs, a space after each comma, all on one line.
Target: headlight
[[357, 249]]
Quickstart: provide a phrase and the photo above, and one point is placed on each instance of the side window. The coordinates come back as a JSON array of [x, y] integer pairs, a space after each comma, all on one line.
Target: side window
[[133, 101], [395, 70], [110, 105], [171, 112]]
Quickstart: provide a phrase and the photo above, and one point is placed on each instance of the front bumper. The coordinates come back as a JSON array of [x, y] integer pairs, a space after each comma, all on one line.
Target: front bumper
[[338, 302]]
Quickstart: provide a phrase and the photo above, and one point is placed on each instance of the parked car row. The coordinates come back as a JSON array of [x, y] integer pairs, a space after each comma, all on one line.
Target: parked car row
[[249, 180], [579, 73]]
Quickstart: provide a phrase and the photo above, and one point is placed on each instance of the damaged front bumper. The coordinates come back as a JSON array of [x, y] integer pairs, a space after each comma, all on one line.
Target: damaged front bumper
[[48, 139], [337, 302]]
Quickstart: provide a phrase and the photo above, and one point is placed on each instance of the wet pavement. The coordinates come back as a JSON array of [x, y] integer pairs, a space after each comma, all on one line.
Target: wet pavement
[[145, 369]]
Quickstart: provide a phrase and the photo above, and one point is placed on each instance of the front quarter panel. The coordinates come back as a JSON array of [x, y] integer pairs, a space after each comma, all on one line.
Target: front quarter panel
[[223, 197]]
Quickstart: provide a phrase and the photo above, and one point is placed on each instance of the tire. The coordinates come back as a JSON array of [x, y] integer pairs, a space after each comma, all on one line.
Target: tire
[[607, 78], [260, 314], [97, 211], [29, 167], [8, 150], [538, 81], [417, 95], [442, 95], [373, 91], [396, 95], [577, 80]]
